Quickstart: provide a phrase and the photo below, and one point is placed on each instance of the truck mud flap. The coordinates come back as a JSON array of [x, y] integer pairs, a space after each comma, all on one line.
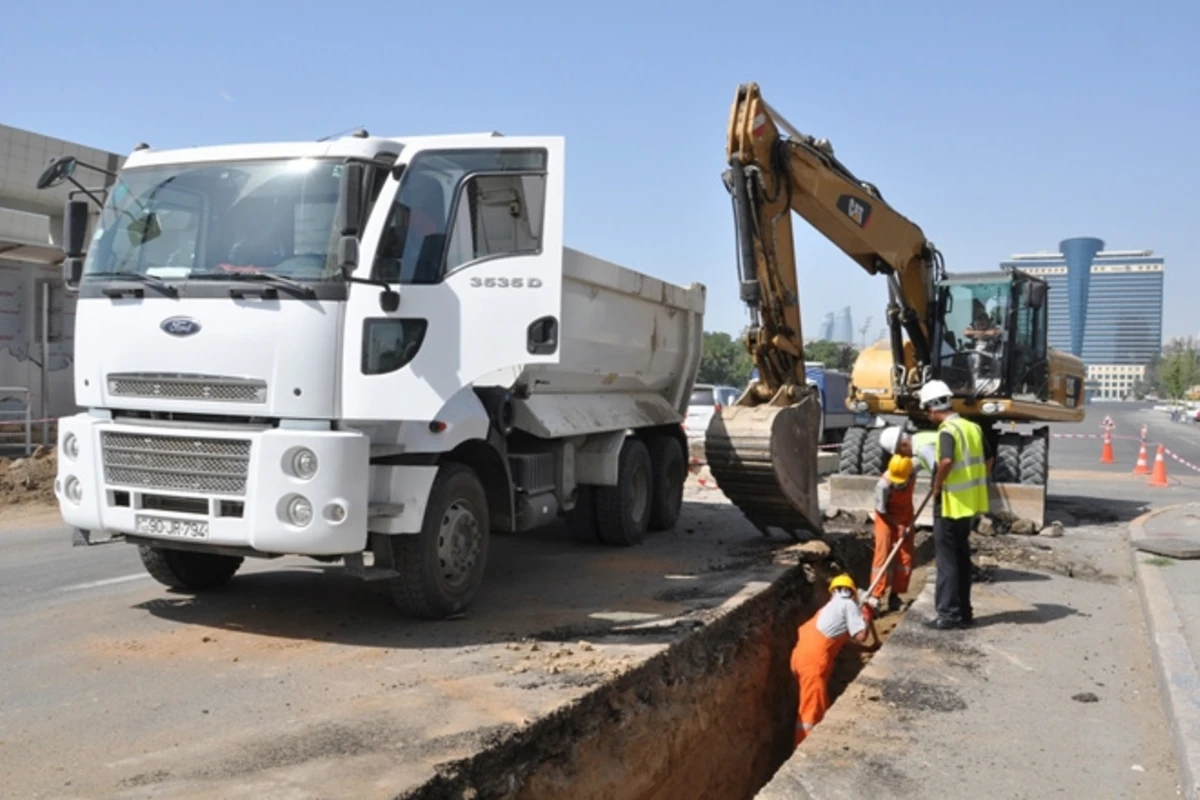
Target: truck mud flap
[[764, 459], [1012, 500]]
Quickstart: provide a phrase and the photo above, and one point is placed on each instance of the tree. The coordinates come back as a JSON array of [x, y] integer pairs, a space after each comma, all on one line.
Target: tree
[[834, 355], [1179, 369], [723, 360]]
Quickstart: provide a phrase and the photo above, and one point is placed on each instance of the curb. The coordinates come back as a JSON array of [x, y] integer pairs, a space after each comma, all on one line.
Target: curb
[[1178, 679]]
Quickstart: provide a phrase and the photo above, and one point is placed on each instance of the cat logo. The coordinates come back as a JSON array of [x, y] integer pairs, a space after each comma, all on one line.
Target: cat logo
[[856, 209]]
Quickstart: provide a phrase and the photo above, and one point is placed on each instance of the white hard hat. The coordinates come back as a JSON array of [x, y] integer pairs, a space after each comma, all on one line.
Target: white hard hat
[[889, 438], [935, 395]]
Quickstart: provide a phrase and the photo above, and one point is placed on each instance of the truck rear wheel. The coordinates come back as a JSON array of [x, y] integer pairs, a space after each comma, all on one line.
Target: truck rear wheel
[[666, 460], [623, 511], [188, 570], [441, 568]]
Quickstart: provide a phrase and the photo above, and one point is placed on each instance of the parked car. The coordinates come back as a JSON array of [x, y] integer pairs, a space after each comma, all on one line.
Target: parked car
[[706, 400]]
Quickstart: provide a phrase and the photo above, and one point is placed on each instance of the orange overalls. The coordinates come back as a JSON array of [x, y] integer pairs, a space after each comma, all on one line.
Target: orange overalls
[[900, 509], [812, 664]]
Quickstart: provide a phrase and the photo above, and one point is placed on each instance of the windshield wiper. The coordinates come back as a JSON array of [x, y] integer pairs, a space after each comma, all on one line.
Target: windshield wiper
[[118, 290], [269, 278]]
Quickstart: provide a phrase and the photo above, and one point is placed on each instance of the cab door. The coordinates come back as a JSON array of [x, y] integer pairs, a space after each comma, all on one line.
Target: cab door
[[470, 236]]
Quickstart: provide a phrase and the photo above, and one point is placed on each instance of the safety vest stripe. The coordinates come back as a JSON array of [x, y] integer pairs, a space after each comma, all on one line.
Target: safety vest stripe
[[970, 484]]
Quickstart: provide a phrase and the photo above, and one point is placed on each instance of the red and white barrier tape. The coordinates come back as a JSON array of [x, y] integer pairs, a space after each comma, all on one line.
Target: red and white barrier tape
[[1176, 457]]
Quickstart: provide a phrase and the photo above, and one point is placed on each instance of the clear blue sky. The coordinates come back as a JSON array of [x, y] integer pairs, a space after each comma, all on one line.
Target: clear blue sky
[[998, 127]]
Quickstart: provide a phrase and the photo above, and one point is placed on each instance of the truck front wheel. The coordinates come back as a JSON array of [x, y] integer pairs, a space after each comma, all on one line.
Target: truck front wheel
[[623, 511], [187, 570], [441, 567]]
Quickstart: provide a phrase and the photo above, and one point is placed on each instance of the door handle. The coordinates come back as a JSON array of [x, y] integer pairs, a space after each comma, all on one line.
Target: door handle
[[541, 338]]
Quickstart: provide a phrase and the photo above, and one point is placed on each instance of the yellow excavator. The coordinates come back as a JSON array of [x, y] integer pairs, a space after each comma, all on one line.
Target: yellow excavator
[[984, 334]]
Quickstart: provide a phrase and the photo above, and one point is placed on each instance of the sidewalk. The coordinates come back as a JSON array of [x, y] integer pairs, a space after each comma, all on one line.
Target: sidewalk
[[1170, 593], [1050, 694]]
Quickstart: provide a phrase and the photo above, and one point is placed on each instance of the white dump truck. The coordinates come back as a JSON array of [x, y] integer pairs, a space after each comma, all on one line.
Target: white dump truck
[[370, 350]]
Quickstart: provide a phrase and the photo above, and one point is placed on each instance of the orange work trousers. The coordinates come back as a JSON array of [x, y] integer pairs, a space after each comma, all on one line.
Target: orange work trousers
[[900, 571], [812, 664]]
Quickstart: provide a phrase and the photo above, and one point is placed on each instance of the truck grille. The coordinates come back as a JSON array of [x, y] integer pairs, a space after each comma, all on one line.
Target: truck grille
[[210, 466], [188, 387]]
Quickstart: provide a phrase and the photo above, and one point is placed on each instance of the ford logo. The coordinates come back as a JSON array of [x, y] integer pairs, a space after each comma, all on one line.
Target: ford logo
[[180, 326]]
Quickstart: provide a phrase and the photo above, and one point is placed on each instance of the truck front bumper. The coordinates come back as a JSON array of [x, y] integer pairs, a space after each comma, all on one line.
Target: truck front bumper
[[224, 487]]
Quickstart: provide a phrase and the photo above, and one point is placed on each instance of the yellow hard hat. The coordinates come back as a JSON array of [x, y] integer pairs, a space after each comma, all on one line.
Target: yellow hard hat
[[842, 581], [899, 469]]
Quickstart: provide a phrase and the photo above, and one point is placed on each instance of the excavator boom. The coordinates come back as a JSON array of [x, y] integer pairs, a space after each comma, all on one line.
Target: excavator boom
[[762, 450]]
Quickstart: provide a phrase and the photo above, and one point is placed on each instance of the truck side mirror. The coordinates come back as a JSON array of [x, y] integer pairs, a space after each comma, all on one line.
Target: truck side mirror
[[72, 273], [75, 221], [350, 199]]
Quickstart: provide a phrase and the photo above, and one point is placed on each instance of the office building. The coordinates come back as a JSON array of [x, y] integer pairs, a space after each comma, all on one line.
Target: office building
[[825, 332], [843, 327], [1106, 306]]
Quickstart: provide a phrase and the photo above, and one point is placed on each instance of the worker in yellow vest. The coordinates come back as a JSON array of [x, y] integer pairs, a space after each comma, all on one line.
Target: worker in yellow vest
[[960, 492]]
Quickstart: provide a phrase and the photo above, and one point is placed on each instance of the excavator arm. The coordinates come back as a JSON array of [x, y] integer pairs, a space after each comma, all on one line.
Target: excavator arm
[[762, 450]]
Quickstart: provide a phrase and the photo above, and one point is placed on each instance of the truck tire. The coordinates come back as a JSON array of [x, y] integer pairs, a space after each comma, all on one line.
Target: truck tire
[[623, 511], [668, 472], [441, 568], [850, 453], [1035, 461], [187, 570], [1007, 466], [874, 457], [581, 520]]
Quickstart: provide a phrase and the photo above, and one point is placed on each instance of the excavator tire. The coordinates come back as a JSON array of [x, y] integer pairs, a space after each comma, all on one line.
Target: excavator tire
[[874, 457], [850, 453], [1034, 461], [764, 458], [1007, 466]]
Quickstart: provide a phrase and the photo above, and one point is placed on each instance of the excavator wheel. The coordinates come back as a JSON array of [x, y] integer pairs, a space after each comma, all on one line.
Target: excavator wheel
[[764, 458], [850, 453]]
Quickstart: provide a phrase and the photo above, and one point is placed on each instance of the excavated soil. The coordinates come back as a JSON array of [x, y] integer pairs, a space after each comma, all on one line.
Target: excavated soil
[[28, 480]]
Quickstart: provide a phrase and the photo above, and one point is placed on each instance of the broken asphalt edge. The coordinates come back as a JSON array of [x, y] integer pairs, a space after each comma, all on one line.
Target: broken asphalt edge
[[1175, 665]]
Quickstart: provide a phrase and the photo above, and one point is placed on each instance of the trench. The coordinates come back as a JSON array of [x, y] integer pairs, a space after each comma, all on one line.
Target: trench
[[712, 716]]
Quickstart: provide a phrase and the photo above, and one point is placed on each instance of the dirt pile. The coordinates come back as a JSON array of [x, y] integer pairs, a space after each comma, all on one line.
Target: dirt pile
[[28, 480]]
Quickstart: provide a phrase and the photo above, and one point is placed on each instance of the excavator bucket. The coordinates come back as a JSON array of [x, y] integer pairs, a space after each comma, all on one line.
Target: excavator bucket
[[764, 459]]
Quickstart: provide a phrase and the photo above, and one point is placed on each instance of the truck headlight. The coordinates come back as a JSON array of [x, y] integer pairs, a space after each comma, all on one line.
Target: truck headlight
[[70, 446], [73, 489], [990, 408], [299, 511], [304, 463]]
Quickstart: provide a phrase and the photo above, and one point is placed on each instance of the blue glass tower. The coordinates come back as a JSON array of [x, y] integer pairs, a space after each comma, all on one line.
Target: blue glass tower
[[1079, 254]]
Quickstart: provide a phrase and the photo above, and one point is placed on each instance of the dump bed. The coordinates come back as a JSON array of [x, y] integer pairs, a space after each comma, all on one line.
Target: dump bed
[[630, 348]]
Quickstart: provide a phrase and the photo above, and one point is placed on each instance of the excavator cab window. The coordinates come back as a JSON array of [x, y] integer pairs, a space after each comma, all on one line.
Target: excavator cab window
[[1029, 366], [973, 334]]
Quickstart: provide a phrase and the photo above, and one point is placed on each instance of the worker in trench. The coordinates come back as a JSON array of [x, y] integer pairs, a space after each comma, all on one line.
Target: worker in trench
[[818, 643], [893, 525]]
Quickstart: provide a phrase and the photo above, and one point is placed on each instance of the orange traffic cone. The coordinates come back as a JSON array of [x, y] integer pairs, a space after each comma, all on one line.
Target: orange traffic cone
[[1143, 466], [1159, 477], [1106, 454]]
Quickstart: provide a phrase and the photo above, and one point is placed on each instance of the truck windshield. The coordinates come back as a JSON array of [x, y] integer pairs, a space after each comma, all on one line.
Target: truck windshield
[[173, 222]]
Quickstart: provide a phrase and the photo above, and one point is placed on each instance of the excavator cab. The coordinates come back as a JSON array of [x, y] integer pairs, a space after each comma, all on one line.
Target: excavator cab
[[990, 335]]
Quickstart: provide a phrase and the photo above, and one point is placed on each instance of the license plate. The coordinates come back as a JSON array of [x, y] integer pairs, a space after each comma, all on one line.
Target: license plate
[[165, 526]]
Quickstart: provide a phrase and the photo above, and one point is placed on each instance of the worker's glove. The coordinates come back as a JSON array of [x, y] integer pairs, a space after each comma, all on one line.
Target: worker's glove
[[870, 609]]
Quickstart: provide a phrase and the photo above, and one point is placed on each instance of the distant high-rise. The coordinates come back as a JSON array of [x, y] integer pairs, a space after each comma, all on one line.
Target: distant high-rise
[[843, 327], [825, 332], [1106, 306]]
